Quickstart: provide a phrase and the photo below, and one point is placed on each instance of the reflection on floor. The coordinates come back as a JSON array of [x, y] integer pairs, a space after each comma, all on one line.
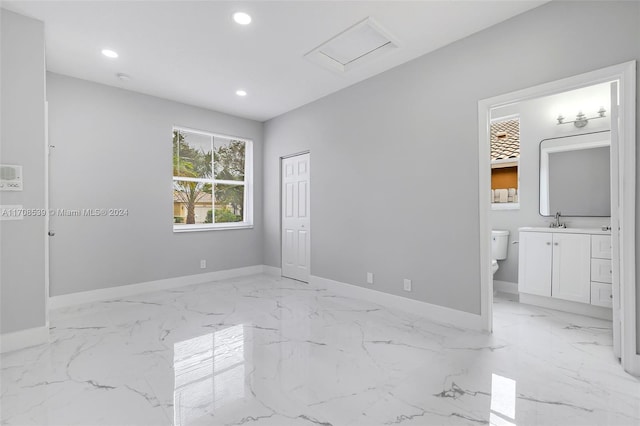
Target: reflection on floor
[[264, 350]]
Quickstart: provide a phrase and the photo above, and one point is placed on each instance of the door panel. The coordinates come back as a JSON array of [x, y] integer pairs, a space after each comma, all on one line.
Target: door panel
[[302, 248], [302, 197], [534, 275], [296, 231], [288, 200], [572, 267], [289, 249]]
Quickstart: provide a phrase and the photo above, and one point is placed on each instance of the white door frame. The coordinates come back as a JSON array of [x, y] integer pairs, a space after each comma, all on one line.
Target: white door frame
[[47, 218], [626, 75], [284, 157]]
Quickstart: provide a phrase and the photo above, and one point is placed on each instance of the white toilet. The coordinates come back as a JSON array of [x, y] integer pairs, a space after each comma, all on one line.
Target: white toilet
[[499, 245]]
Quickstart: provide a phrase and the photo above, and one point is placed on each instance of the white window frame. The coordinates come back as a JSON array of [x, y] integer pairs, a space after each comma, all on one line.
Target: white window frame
[[247, 223], [508, 206]]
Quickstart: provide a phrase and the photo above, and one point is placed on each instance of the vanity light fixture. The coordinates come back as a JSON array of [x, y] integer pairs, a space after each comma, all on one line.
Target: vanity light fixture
[[581, 119]]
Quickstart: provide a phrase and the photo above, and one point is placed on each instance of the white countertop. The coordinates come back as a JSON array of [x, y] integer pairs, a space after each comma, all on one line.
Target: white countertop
[[598, 231]]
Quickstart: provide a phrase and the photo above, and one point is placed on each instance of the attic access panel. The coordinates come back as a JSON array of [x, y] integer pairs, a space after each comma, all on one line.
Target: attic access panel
[[359, 43]]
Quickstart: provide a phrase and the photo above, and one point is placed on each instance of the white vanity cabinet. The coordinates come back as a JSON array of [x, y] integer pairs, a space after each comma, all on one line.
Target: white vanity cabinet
[[561, 264], [555, 265]]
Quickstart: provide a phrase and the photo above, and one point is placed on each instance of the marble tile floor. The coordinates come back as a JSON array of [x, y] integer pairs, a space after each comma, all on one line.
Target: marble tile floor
[[263, 350]]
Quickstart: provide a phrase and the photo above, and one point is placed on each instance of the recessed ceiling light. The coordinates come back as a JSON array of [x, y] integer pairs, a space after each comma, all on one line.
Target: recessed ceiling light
[[242, 18], [241, 92], [109, 53]]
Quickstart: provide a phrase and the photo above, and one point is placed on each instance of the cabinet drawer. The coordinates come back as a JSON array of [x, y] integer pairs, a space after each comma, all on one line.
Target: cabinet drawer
[[601, 246], [601, 295], [601, 270]]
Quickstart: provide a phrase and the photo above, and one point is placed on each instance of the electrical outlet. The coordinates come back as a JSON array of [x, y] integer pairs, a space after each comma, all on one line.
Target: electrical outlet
[[407, 285], [203, 264], [369, 277]]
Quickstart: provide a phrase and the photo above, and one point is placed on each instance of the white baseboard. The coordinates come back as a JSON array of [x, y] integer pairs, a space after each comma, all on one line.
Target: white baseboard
[[23, 339], [567, 306], [633, 367], [432, 312], [72, 299], [505, 287], [272, 270]]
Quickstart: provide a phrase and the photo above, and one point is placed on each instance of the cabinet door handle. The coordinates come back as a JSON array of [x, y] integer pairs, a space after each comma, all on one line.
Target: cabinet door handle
[[555, 244], [548, 243]]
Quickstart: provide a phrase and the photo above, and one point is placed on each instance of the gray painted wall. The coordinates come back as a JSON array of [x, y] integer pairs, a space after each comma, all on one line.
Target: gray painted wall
[[537, 122], [22, 270], [395, 158], [114, 150]]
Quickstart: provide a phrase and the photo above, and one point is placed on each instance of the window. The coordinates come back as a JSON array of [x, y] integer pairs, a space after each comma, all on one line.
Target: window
[[212, 185], [505, 161]]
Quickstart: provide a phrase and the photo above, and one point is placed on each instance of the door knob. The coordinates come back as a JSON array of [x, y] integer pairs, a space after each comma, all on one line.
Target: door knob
[[51, 233]]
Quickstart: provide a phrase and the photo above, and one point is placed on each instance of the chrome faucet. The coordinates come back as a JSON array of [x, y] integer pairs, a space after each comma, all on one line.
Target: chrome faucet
[[557, 223]]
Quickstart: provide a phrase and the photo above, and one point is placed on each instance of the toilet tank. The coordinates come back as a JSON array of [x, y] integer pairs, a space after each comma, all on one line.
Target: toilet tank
[[499, 244]]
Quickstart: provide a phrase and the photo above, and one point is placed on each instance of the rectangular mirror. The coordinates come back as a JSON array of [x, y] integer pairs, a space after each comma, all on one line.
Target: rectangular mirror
[[575, 177]]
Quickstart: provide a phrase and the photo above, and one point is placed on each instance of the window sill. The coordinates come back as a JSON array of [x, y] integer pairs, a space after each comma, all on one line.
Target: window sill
[[505, 206], [220, 227]]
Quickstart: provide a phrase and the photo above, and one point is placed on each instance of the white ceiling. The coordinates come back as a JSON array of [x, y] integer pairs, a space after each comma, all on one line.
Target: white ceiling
[[193, 52]]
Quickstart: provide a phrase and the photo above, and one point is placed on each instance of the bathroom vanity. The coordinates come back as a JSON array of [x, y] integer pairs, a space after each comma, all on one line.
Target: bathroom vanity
[[567, 269]]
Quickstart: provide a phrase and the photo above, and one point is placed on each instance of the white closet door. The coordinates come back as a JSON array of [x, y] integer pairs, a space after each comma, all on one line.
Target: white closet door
[[296, 230]]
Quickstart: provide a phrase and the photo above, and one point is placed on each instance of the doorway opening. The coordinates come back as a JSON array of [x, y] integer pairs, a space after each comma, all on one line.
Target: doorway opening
[[549, 140]]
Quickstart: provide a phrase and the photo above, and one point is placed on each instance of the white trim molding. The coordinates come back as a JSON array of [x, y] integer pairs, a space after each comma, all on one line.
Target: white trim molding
[[24, 339], [118, 292], [505, 286], [505, 206], [271, 271], [567, 306], [436, 313], [625, 74]]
